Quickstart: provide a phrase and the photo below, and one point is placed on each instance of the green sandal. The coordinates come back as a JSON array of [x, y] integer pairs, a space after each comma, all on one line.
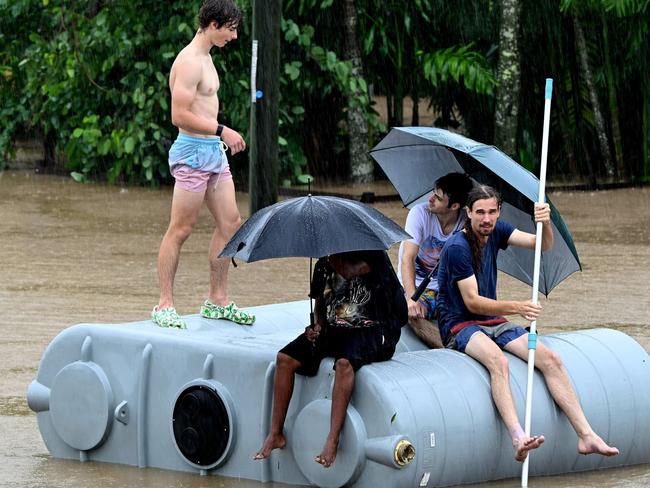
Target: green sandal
[[230, 312], [167, 317]]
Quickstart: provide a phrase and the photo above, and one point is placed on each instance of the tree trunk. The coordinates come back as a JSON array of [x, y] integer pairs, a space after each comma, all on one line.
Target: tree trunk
[[395, 106], [593, 96], [506, 111], [396, 119], [563, 100], [415, 114], [49, 150], [389, 109], [415, 80], [263, 165], [398, 100], [644, 65], [318, 132], [361, 169], [645, 128], [582, 155], [561, 103], [613, 104]]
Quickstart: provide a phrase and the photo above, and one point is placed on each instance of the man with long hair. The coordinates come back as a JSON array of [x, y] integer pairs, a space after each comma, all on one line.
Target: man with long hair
[[471, 317]]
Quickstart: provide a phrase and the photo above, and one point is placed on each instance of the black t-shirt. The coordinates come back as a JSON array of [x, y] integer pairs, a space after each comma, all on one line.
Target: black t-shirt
[[363, 301]]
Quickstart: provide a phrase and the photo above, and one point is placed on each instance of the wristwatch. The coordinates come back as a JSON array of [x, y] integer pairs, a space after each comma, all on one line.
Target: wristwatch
[[219, 130]]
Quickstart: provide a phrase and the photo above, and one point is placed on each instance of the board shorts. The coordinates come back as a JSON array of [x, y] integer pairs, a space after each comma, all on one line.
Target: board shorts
[[197, 163], [502, 334], [359, 345], [428, 299]]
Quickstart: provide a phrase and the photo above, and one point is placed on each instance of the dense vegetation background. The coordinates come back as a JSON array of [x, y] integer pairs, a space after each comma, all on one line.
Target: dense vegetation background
[[89, 79]]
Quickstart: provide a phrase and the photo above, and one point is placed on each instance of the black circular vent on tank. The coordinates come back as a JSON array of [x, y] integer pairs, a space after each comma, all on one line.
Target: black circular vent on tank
[[201, 425]]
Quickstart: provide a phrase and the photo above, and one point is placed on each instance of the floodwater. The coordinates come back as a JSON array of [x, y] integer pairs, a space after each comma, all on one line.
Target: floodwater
[[72, 253]]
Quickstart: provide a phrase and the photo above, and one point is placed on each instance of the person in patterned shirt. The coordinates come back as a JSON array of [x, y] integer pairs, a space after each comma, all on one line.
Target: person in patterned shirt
[[430, 224], [359, 310]]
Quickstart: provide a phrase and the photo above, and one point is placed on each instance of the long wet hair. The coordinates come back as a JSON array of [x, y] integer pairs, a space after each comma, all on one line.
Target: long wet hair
[[481, 192]]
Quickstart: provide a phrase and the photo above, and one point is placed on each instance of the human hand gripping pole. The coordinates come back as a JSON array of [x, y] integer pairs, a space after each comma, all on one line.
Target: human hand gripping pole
[[532, 336]]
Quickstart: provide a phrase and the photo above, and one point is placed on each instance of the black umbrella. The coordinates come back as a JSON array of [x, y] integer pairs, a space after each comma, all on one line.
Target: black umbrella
[[312, 226], [413, 158]]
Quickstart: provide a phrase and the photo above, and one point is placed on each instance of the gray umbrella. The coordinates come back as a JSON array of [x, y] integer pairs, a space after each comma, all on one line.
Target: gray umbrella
[[413, 158], [312, 226]]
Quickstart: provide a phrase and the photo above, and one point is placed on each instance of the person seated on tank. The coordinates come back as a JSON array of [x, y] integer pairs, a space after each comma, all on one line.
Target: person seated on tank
[[471, 319], [359, 311], [431, 224]]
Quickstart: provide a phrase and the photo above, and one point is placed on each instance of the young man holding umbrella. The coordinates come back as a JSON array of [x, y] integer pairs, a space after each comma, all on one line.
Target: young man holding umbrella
[[360, 309], [470, 317], [431, 224]]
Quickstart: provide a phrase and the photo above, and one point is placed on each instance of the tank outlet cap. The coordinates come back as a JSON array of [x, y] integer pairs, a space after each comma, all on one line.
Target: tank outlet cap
[[395, 451], [404, 453], [38, 397]]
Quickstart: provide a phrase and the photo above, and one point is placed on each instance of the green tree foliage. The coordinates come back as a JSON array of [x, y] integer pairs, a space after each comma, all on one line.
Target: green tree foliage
[[94, 76], [433, 49], [318, 75], [319, 83], [90, 79], [461, 66], [91, 76], [576, 152]]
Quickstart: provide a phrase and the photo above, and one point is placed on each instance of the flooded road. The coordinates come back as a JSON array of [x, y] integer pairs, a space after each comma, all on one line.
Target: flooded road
[[74, 253]]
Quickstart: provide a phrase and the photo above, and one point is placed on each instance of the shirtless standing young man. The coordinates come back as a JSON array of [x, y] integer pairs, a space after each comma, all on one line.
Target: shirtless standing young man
[[199, 165]]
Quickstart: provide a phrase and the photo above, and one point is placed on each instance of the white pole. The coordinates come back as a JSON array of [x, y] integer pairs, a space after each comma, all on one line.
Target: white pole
[[532, 336], [254, 72]]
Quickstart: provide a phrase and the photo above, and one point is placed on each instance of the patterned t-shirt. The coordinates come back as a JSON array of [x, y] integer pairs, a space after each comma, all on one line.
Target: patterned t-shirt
[[362, 301], [427, 234], [348, 302]]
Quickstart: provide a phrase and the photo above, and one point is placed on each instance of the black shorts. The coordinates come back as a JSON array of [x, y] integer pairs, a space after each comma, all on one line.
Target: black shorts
[[360, 345]]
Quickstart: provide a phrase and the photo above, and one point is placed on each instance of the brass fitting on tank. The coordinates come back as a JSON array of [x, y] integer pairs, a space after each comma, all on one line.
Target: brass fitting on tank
[[404, 452]]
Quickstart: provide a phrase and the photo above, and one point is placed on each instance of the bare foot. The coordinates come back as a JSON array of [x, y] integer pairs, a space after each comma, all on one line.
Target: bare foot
[[328, 455], [523, 445], [593, 444], [273, 441]]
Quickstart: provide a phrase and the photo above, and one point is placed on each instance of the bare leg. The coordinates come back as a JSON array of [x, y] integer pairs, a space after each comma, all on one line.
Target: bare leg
[[484, 350], [560, 388], [283, 381], [343, 386], [427, 332], [184, 213], [223, 206]]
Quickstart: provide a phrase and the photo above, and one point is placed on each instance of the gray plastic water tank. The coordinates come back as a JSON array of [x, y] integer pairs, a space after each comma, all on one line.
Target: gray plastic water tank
[[200, 400]]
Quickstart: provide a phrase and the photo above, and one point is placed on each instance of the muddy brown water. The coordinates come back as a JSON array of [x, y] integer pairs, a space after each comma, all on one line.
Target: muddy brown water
[[72, 253]]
